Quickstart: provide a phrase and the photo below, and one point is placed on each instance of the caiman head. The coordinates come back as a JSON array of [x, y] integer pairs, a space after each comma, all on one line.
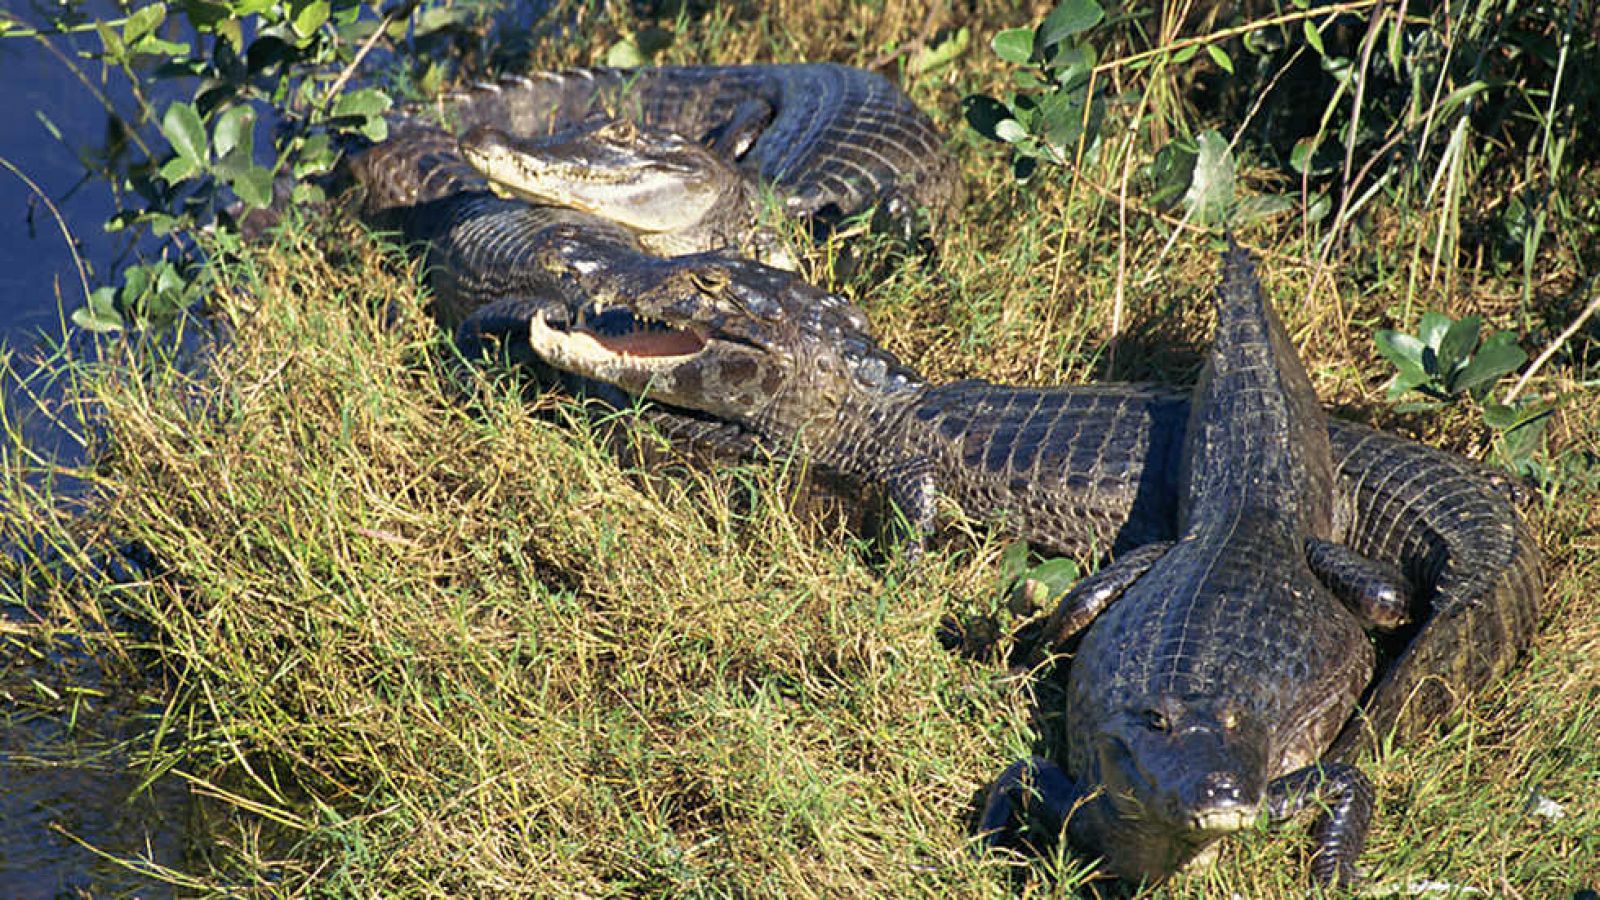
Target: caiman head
[[1175, 773], [720, 335], [648, 180]]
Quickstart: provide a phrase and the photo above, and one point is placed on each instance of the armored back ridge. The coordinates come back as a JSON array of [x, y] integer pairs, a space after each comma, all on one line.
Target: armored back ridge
[[1256, 435]]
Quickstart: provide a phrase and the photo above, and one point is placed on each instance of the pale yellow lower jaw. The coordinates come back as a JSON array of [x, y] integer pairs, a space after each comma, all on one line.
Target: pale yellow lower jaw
[[1224, 821], [580, 352]]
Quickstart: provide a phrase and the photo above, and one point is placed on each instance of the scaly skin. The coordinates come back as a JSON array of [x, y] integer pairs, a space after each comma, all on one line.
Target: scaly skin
[[677, 195], [480, 247], [830, 141], [1222, 665], [1082, 469]]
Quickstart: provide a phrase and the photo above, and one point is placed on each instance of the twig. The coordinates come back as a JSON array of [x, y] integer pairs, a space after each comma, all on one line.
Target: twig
[[1544, 357], [366, 48], [72, 246]]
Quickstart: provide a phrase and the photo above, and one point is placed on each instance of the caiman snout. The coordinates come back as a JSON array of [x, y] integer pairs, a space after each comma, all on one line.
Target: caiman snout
[[1219, 803]]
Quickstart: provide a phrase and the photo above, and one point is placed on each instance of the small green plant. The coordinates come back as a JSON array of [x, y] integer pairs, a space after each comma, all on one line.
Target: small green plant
[[1448, 359], [1033, 587], [1055, 110], [246, 63]]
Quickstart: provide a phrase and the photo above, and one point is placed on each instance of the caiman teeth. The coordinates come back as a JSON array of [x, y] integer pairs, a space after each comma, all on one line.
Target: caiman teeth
[[615, 357]]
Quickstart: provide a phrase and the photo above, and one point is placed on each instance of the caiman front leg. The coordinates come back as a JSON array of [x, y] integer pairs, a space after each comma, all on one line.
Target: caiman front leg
[[1093, 593], [1341, 831], [1034, 792], [913, 498], [497, 330], [1376, 593]]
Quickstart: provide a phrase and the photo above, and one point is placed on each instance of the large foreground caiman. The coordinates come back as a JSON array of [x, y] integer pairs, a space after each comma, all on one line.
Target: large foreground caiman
[[1217, 668], [1076, 470]]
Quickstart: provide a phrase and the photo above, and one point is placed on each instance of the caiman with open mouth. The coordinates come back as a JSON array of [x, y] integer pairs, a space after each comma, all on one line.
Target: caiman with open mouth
[[653, 160]]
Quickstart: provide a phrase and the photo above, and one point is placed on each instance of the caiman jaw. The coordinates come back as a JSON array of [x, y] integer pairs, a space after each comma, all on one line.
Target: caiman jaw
[[626, 359]]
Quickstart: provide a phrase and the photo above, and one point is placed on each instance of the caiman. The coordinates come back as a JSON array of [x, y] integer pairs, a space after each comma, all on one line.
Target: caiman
[[833, 141], [1218, 667], [682, 155], [1084, 471]]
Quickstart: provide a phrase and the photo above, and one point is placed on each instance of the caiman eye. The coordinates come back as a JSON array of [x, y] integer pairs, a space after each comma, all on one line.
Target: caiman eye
[[1230, 720], [1156, 720]]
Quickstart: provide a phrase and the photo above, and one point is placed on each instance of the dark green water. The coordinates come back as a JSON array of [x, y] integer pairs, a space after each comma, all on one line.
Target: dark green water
[[70, 804]]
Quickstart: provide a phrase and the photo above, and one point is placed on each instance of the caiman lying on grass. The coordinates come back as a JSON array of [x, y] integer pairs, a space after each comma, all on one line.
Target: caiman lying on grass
[[831, 141], [1219, 667], [1081, 470], [682, 154]]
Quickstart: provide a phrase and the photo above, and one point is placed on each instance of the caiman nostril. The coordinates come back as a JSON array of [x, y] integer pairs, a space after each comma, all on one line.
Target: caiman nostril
[[1221, 789]]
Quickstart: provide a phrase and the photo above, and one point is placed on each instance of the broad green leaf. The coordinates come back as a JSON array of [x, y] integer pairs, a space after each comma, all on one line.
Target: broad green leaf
[[156, 46], [235, 131], [625, 54], [1028, 80], [1405, 352], [363, 103], [1210, 191], [1494, 360], [1313, 37], [434, 19], [1014, 45], [1013, 562], [1010, 131], [309, 17], [1460, 339], [1433, 327], [314, 156], [1300, 156], [1057, 575], [1172, 170], [1220, 57], [1070, 17], [1521, 414], [100, 313], [142, 21], [205, 14], [1073, 63], [185, 132], [177, 169], [1319, 207], [1185, 53], [114, 46], [254, 186], [242, 8]]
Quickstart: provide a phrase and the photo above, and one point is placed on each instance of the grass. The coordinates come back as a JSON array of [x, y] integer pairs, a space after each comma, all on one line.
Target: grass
[[411, 637]]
